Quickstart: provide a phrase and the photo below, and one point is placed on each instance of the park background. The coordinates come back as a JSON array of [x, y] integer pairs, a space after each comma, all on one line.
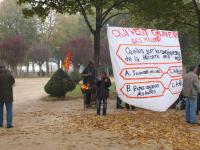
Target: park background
[[29, 44]]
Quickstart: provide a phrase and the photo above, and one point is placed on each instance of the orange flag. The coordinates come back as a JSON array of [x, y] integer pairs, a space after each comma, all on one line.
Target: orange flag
[[68, 59]]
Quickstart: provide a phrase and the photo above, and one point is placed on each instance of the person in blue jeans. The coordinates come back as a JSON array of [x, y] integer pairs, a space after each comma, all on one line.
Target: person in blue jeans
[[191, 89], [6, 95], [102, 83]]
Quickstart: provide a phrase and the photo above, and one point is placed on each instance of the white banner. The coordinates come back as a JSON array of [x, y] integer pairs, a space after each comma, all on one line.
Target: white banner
[[147, 65]]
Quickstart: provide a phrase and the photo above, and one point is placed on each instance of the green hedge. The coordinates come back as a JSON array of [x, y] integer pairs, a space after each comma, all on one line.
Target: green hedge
[[59, 84]]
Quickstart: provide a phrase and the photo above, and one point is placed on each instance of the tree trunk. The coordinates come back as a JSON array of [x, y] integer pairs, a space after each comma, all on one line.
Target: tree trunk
[[47, 67], [40, 69], [198, 18], [199, 39], [62, 62], [33, 68], [14, 70], [20, 71], [27, 68], [51, 68], [58, 63], [97, 48], [97, 35]]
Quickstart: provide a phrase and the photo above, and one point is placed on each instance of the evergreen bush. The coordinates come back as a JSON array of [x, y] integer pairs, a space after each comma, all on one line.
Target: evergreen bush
[[59, 84]]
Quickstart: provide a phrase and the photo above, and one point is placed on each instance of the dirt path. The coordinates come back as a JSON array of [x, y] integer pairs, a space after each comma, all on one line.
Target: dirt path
[[39, 124], [26, 90], [63, 125]]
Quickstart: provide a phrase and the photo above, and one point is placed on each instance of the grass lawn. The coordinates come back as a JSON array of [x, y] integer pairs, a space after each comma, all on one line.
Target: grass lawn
[[76, 93]]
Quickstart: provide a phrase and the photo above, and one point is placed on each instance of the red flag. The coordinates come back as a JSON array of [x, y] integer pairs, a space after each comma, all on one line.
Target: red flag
[[67, 61]]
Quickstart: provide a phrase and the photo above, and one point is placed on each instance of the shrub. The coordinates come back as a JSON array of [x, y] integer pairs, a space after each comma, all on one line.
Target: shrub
[[59, 84], [75, 76]]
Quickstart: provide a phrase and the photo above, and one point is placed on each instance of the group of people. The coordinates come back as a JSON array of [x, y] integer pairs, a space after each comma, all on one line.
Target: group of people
[[191, 91], [100, 84], [97, 85]]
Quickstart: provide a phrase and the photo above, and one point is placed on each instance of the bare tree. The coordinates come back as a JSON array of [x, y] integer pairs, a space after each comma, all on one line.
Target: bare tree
[[39, 54]]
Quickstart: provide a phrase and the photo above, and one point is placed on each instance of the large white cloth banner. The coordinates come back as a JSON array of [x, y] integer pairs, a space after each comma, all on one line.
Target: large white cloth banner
[[147, 65]]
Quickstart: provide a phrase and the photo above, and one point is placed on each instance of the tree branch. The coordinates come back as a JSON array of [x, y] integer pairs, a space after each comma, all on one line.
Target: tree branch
[[188, 24], [196, 8], [85, 16], [106, 20], [102, 3], [105, 13]]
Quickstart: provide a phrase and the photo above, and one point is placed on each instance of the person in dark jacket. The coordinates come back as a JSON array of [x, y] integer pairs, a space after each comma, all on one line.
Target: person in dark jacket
[[198, 96], [6, 95], [102, 83], [88, 75], [191, 88]]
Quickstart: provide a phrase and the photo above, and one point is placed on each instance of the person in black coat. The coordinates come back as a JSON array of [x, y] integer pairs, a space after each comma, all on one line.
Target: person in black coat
[[88, 75], [6, 95], [102, 83]]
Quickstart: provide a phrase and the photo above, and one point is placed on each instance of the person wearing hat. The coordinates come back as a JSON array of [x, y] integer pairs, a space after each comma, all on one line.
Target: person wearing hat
[[6, 95], [88, 75]]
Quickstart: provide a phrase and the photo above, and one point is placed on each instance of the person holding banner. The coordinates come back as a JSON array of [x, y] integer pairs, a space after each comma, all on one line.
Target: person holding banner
[[191, 89], [102, 83]]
